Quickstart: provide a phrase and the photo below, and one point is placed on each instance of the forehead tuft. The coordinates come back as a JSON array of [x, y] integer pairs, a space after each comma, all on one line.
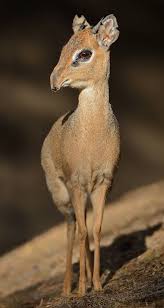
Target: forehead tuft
[[81, 39]]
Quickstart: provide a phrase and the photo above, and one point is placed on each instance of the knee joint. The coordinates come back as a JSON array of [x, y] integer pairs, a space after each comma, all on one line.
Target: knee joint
[[83, 234]]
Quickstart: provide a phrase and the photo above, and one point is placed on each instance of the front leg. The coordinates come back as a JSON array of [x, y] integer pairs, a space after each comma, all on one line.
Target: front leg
[[79, 202], [98, 201]]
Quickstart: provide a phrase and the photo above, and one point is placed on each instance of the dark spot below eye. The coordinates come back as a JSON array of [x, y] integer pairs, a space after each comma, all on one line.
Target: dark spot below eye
[[75, 63]]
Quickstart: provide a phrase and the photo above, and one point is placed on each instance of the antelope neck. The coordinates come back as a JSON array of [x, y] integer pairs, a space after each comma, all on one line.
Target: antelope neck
[[94, 100]]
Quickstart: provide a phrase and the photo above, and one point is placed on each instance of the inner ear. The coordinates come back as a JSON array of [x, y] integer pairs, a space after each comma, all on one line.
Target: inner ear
[[110, 20], [106, 31], [79, 23]]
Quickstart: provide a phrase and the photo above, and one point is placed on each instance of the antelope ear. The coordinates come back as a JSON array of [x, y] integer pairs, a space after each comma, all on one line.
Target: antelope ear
[[79, 23], [106, 31]]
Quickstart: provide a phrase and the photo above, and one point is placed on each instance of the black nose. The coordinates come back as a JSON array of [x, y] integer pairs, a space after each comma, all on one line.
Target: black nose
[[54, 89]]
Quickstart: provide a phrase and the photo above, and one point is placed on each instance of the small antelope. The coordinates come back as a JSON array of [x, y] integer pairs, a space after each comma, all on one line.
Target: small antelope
[[81, 151]]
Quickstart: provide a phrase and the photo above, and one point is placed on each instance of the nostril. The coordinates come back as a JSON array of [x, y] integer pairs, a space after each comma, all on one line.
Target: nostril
[[54, 89]]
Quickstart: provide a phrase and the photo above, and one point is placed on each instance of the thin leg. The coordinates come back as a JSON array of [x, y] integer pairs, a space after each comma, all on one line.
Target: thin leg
[[79, 201], [98, 201], [89, 269], [89, 265], [71, 227]]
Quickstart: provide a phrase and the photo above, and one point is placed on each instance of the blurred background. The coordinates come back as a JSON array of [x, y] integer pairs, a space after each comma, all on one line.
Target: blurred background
[[31, 37]]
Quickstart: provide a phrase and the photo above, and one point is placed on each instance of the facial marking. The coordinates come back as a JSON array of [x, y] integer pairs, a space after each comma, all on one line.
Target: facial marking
[[82, 56]]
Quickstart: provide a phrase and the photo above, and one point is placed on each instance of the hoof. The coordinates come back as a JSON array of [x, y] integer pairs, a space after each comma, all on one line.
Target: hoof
[[97, 286], [66, 291], [89, 285], [82, 290]]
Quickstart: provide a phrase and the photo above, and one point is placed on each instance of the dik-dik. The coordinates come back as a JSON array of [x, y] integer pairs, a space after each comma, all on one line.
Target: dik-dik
[[81, 151]]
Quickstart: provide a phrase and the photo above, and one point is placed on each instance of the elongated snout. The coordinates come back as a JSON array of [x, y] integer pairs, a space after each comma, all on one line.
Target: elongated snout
[[53, 82], [57, 81]]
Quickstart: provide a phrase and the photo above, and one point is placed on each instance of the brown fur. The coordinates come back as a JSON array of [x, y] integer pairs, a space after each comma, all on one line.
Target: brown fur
[[82, 149]]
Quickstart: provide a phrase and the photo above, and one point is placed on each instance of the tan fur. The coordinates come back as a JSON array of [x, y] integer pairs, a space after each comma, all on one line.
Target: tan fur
[[82, 149]]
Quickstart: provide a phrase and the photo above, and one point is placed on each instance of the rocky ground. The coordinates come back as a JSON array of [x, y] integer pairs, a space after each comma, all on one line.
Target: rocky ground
[[132, 260]]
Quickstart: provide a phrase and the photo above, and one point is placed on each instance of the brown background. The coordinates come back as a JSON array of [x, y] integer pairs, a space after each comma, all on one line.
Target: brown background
[[31, 39]]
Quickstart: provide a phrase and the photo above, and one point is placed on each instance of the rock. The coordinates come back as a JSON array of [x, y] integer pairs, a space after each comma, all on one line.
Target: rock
[[132, 260]]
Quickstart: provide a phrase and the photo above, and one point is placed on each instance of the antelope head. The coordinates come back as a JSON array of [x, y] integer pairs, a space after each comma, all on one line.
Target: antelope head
[[85, 58]]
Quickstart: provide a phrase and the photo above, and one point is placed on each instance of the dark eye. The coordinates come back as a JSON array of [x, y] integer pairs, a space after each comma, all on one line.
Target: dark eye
[[84, 55]]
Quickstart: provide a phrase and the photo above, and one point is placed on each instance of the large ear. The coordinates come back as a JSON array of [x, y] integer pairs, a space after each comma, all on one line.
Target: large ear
[[79, 23], [106, 31]]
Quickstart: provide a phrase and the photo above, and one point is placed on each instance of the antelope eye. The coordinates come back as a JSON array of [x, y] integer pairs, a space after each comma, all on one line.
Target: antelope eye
[[84, 55]]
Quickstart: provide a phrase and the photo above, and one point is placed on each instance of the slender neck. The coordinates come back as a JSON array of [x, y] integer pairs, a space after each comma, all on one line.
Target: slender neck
[[95, 100]]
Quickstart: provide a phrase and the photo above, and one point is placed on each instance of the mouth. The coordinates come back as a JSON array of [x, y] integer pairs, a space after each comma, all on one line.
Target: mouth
[[65, 83]]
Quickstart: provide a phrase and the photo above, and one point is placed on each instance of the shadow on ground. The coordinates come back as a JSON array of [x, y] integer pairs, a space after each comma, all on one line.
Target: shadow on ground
[[133, 277]]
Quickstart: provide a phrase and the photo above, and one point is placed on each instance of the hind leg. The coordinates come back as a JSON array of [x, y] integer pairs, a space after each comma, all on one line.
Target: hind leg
[[61, 199], [71, 228], [89, 263]]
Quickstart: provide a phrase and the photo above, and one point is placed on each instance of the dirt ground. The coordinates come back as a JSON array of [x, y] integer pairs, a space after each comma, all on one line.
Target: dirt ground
[[132, 260]]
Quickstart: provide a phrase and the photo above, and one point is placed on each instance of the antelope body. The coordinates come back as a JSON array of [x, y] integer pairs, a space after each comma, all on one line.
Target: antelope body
[[81, 151]]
